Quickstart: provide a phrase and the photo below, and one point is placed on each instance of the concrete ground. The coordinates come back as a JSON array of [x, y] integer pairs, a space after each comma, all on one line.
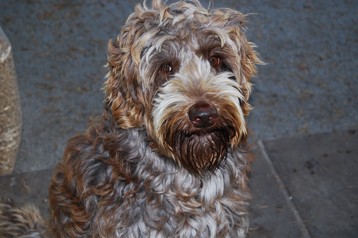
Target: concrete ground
[[304, 123]]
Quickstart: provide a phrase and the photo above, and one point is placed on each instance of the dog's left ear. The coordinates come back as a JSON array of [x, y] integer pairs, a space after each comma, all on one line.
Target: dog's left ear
[[249, 60], [235, 27]]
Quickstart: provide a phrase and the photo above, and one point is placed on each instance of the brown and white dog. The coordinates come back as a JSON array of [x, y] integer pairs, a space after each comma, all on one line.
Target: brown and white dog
[[167, 158]]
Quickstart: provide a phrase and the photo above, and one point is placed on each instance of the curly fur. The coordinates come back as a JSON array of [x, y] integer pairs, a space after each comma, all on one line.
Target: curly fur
[[146, 169]]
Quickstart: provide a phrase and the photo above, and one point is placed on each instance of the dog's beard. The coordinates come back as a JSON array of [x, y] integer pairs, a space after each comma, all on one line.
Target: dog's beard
[[201, 152]]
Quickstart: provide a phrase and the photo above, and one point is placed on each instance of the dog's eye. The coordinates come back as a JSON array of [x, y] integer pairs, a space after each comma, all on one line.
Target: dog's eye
[[215, 62], [167, 69]]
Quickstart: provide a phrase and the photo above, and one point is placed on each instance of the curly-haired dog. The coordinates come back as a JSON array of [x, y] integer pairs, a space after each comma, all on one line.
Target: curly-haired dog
[[166, 158]]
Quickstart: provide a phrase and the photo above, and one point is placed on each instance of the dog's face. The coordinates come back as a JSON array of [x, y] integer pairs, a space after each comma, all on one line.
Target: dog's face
[[183, 72]]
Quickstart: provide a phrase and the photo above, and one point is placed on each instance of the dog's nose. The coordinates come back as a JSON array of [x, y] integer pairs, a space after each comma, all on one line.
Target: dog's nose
[[203, 114]]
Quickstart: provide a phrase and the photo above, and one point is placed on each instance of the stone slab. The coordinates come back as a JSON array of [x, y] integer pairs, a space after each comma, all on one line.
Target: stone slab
[[320, 173], [270, 212]]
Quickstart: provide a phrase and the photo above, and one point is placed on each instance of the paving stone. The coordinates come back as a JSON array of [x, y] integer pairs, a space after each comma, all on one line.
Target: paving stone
[[320, 173], [270, 213]]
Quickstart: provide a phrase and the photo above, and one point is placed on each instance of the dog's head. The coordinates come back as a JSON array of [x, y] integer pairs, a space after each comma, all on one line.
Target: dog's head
[[183, 73]]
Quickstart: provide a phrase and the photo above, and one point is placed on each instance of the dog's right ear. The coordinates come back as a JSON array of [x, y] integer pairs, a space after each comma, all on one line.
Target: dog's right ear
[[121, 87], [124, 91]]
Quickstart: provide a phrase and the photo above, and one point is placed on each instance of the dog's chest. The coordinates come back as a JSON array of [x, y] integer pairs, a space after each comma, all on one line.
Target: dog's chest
[[180, 206]]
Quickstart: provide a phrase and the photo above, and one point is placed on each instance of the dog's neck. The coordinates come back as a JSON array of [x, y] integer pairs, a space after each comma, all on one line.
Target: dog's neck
[[151, 167]]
